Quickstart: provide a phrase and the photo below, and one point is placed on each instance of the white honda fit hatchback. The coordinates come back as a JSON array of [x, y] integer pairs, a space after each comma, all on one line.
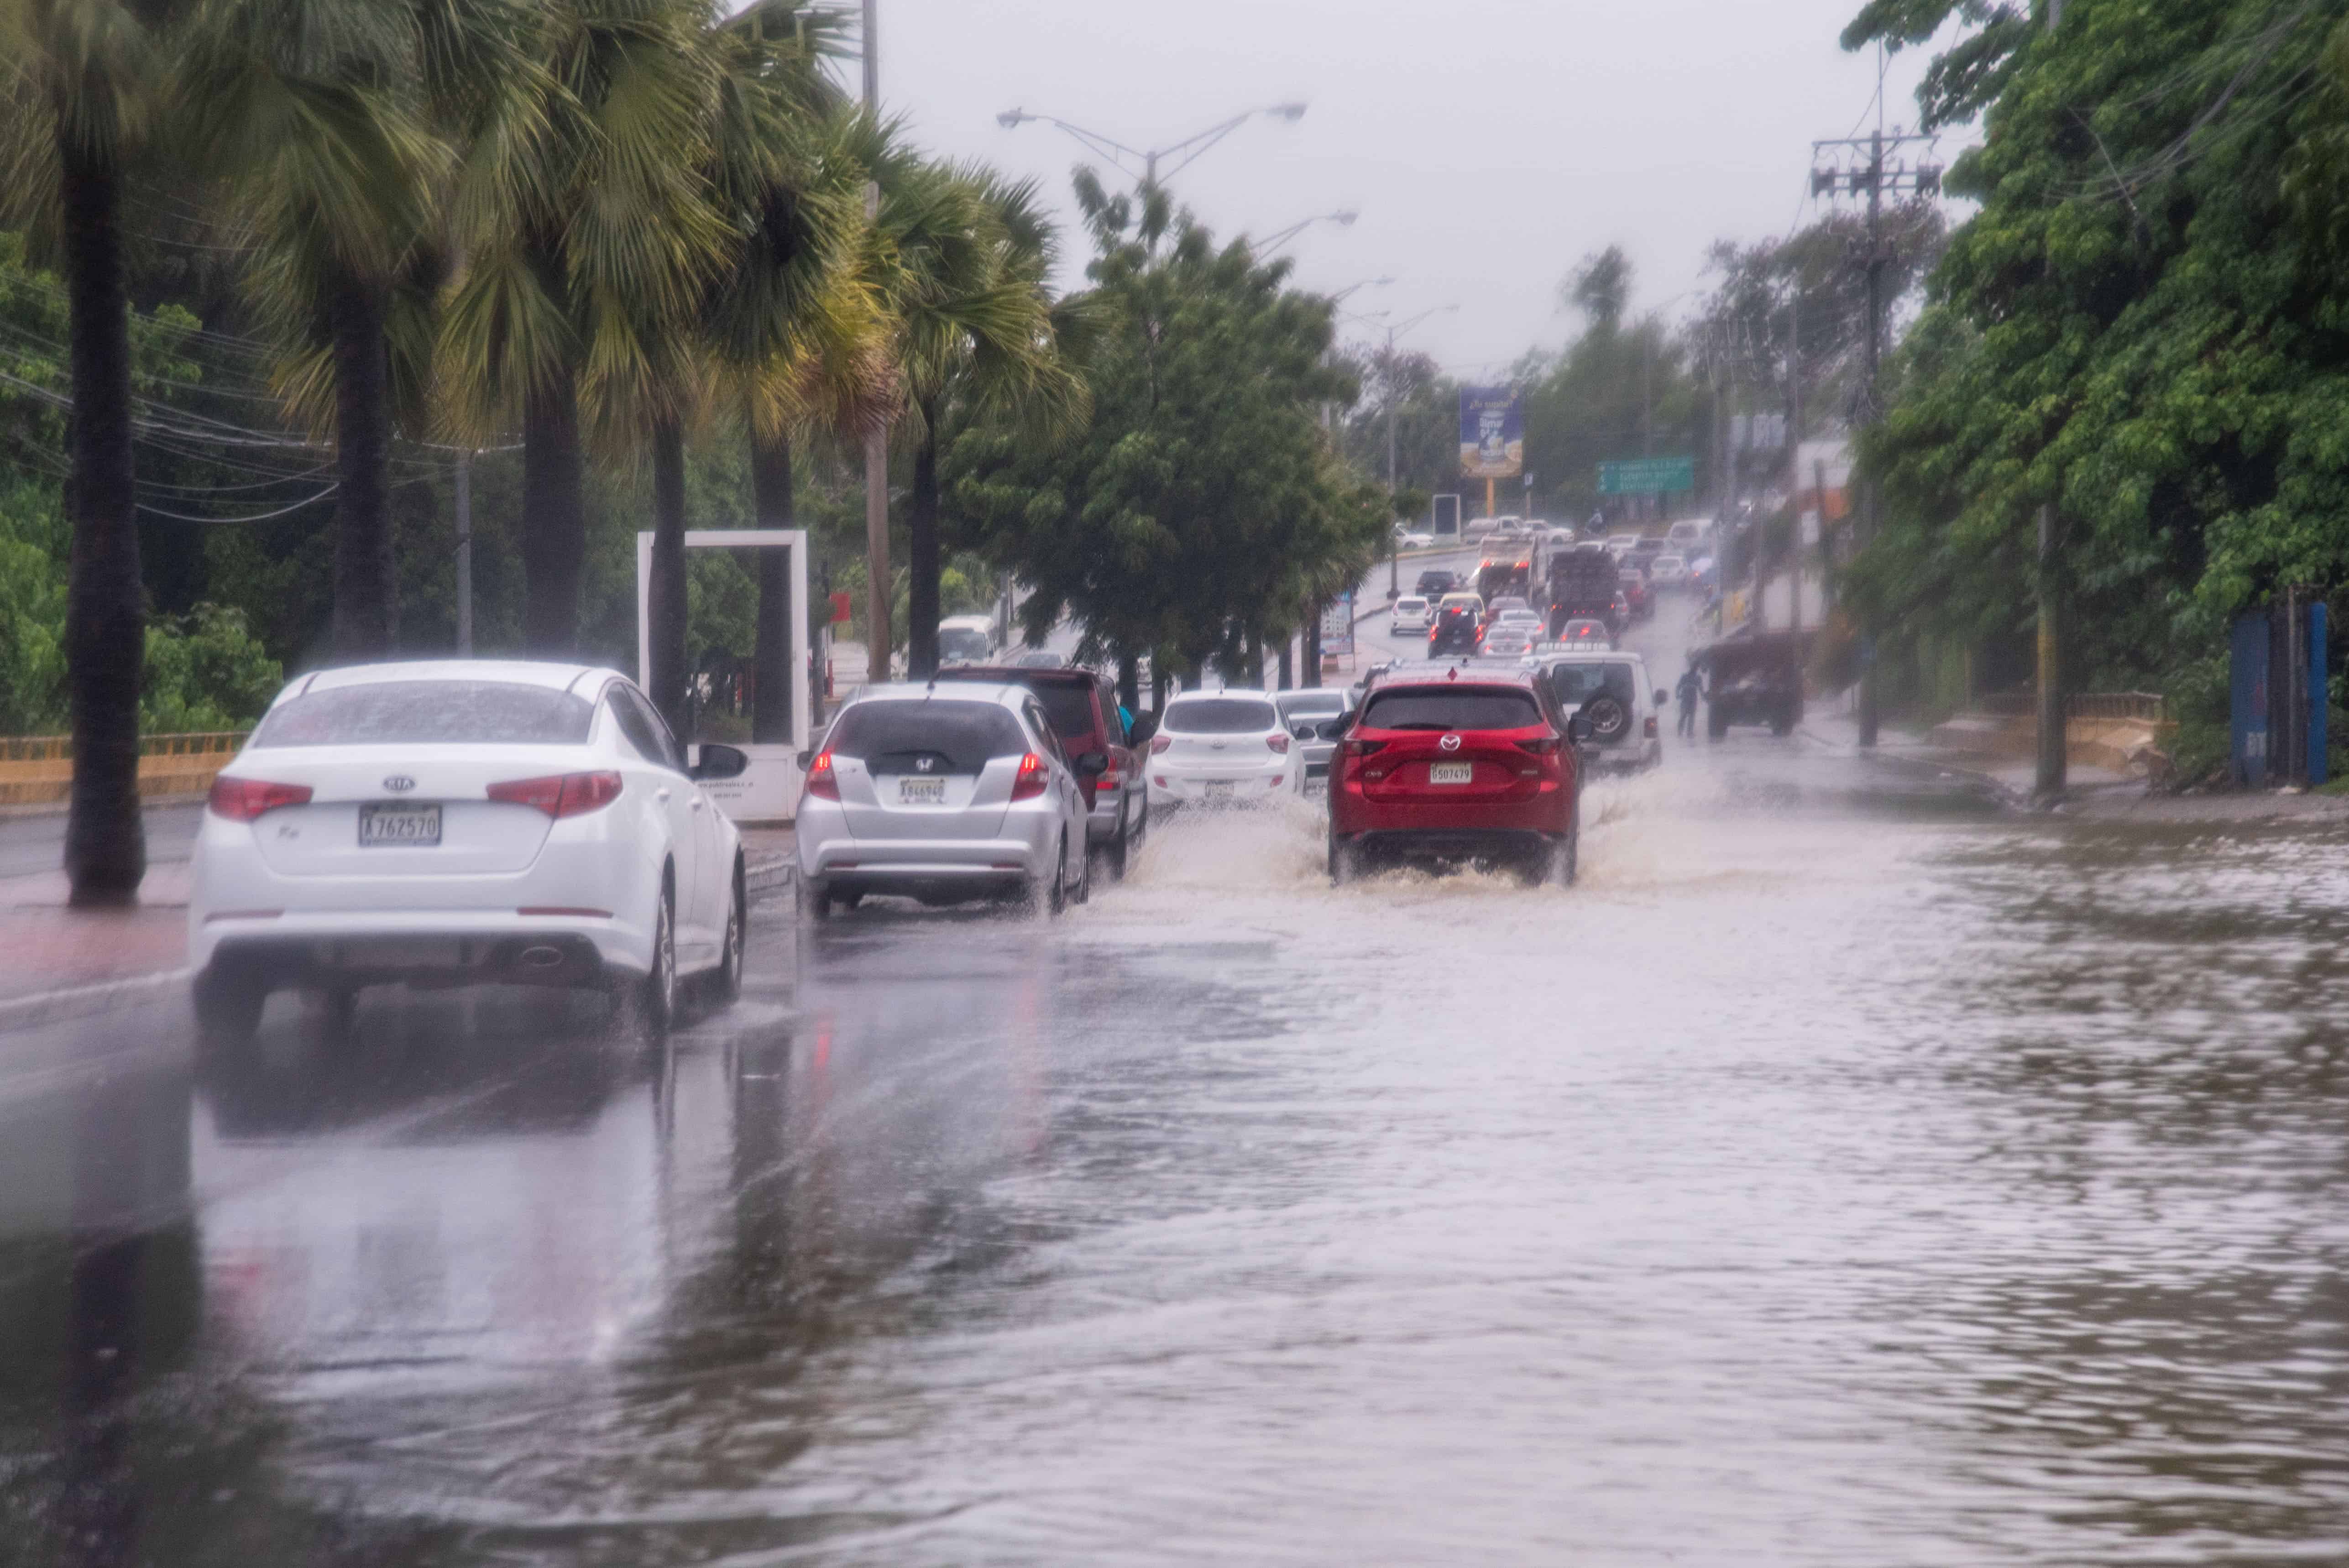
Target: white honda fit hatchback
[[448, 822]]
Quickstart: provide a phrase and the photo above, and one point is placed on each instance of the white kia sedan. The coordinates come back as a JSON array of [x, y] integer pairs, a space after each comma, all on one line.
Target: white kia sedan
[[456, 821], [944, 793], [1222, 748]]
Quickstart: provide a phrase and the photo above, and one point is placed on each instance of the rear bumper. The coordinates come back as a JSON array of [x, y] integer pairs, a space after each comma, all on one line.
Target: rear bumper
[[860, 864], [427, 948], [1202, 789], [1449, 846]]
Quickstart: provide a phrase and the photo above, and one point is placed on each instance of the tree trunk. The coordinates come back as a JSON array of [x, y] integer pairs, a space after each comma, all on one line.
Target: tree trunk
[[922, 553], [666, 600], [773, 679], [1311, 675], [366, 582], [1129, 682], [106, 631], [1288, 666], [554, 518]]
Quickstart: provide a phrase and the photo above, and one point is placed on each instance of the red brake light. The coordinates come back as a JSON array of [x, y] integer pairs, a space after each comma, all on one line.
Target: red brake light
[[822, 782], [1652, 727], [1159, 743], [1028, 782], [243, 799], [560, 794], [1278, 740]]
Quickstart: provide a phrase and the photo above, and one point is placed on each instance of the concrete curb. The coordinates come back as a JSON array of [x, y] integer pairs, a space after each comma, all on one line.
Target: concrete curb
[[1997, 788], [89, 1001]]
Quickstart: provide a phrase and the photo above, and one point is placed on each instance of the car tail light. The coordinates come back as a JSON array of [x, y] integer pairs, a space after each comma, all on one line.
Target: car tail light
[[822, 782], [560, 794], [1160, 743], [1541, 748], [1278, 741], [1028, 782], [243, 799], [1358, 748], [1652, 727]]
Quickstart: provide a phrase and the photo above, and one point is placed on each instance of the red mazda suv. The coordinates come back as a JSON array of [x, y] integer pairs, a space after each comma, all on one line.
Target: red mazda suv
[[1449, 766]]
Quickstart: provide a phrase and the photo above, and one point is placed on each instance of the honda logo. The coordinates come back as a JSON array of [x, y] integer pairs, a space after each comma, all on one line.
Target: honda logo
[[1450, 743], [400, 783], [924, 764]]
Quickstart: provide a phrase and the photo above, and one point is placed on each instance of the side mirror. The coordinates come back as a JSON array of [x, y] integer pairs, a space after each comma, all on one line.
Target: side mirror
[[1303, 731], [1089, 765], [720, 761], [1662, 697], [1332, 728], [1577, 730]]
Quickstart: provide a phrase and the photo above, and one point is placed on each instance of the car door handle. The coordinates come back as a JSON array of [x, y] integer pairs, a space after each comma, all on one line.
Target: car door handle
[[697, 802]]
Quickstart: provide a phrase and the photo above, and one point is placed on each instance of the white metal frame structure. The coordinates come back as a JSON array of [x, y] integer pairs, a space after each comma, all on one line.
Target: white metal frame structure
[[769, 790]]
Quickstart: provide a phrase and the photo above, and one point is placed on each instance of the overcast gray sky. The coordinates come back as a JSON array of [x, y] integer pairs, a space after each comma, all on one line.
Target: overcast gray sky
[[1487, 145]]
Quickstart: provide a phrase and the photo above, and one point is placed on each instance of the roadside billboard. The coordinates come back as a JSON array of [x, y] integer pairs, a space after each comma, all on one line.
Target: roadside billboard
[[1492, 432]]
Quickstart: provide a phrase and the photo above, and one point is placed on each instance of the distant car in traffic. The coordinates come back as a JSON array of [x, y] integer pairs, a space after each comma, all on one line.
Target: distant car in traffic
[[1455, 626], [1587, 629], [1505, 604], [1446, 768], [1084, 713], [1610, 690], [1222, 748], [1668, 572], [1037, 659], [1305, 711], [1413, 538], [1685, 535], [1409, 613], [1639, 598], [1509, 640], [448, 822], [965, 639], [1435, 583]]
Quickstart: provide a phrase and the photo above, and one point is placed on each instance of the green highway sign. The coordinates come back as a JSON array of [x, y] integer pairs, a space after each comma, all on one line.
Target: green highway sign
[[1647, 475]]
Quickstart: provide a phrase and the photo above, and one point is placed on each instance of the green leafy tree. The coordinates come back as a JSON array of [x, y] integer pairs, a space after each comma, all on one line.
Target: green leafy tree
[[1202, 509]]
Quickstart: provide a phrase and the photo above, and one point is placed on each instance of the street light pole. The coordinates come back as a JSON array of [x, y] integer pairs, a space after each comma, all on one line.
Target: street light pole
[[876, 441], [1184, 153]]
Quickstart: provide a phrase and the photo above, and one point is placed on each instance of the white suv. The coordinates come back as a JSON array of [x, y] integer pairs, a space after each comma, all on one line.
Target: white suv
[[1609, 687], [1410, 615]]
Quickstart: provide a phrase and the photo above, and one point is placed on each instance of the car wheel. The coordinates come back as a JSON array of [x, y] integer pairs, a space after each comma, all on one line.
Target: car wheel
[[815, 902], [228, 1005], [1610, 720], [1345, 862], [1084, 893], [1716, 724], [1045, 901], [1568, 868], [725, 983], [657, 993]]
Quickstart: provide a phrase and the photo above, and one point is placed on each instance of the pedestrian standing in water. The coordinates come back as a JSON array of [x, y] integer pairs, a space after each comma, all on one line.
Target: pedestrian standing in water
[[1688, 690]]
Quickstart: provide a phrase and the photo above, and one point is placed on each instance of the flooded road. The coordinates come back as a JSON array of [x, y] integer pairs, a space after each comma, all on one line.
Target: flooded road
[[1843, 1174]]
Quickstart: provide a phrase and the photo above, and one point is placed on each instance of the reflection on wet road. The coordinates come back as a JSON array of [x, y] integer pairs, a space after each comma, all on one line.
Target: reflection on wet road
[[1840, 1175]]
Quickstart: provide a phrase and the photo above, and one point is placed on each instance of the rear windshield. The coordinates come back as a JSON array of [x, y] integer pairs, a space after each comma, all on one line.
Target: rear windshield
[[1218, 716], [962, 642], [1070, 707], [1409, 604], [410, 713], [1451, 707], [890, 737], [1577, 684]]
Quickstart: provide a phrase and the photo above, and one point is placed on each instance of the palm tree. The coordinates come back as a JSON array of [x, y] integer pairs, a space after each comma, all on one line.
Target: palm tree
[[590, 232], [332, 121], [970, 257], [84, 87]]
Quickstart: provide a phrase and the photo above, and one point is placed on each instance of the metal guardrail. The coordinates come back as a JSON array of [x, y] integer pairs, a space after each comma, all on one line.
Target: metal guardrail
[[2148, 705]]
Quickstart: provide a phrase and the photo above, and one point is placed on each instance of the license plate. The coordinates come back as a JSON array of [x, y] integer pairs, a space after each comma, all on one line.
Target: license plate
[[1218, 788], [1451, 772], [921, 791], [392, 827]]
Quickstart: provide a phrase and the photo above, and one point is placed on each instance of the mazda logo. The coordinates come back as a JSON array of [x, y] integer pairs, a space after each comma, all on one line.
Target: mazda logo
[[400, 783], [1450, 743]]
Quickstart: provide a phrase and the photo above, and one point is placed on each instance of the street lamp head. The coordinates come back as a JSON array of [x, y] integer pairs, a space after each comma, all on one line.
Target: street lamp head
[[1010, 117], [1344, 217], [1291, 113]]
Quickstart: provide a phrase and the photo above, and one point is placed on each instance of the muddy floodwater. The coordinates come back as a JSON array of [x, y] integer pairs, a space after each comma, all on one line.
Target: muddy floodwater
[[1845, 1173]]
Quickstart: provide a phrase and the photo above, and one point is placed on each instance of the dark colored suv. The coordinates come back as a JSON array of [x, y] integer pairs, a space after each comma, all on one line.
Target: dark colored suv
[[1084, 709], [1454, 630], [1434, 583], [1438, 766]]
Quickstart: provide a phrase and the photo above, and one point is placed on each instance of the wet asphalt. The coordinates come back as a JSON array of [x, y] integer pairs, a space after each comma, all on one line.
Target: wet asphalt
[[1845, 1173]]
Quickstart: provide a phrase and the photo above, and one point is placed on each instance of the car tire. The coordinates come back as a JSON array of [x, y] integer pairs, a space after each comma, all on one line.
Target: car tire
[[228, 1005], [1084, 893], [656, 994], [726, 980], [1568, 869], [1610, 718], [1716, 724], [1046, 900], [814, 901], [1345, 863], [1115, 853]]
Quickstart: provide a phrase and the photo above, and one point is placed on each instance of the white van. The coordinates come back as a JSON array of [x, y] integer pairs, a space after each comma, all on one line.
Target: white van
[[965, 639]]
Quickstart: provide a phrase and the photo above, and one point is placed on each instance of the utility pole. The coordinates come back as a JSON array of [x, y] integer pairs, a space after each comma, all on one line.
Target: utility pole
[[2053, 743], [1873, 178], [464, 479], [876, 442]]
